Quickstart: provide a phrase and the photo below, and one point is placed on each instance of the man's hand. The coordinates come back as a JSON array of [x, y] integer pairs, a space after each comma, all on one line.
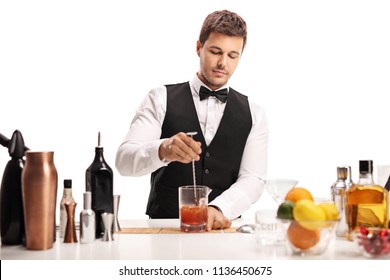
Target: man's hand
[[181, 148], [216, 220]]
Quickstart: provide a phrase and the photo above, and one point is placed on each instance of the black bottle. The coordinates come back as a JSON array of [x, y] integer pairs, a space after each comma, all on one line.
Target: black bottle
[[99, 181], [387, 186], [12, 217]]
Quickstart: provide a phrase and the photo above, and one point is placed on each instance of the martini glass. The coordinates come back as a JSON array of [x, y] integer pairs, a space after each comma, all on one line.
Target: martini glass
[[278, 188]]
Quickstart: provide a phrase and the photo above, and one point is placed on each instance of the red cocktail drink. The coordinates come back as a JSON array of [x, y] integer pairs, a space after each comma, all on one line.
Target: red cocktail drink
[[193, 218]]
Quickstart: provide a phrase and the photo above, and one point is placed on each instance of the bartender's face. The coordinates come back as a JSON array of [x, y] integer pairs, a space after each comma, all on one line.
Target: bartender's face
[[219, 57]]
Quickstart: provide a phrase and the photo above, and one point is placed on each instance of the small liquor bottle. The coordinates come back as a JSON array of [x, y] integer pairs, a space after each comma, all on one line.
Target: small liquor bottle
[[99, 181], [338, 194], [67, 197], [367, 202]]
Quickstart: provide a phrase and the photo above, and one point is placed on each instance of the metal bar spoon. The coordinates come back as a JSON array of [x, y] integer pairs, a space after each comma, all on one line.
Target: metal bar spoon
[[191, 134]]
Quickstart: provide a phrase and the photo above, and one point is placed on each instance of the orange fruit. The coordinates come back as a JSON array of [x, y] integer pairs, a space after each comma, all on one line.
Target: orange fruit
[[301, 237], [298, 193]]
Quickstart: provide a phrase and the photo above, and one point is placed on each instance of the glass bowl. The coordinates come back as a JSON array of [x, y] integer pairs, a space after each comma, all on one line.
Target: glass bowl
[[372, 241], [307, 238]]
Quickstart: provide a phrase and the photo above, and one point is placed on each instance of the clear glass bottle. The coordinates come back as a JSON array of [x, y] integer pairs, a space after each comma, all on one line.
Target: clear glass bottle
[[99, 181], [338, 194], [67, 197], [367, 202]]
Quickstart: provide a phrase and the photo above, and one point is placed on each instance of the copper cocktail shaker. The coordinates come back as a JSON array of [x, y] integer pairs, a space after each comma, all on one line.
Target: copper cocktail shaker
[[39, 193]]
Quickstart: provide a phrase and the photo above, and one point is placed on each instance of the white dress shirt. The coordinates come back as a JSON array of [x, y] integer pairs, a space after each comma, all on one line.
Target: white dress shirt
[[138, 154]]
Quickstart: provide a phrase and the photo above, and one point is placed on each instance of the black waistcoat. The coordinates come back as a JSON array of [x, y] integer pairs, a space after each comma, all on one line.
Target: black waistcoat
[[219, 162]]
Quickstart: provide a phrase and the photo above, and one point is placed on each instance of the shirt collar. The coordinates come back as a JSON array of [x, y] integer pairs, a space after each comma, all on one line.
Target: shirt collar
[[196, 83]]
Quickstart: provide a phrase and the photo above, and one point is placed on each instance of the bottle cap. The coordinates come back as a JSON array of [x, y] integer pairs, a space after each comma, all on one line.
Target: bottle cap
[[67, 183], [365, 166], [342, 172]]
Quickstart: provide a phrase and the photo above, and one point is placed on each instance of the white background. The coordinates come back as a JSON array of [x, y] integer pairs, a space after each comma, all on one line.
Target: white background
[[321, 69]]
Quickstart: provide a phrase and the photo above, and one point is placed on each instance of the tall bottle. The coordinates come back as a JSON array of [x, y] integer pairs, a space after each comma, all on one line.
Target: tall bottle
[[99, 181], [67, 197], [367, 202], [87, 221], [387, 185], [338, 194]]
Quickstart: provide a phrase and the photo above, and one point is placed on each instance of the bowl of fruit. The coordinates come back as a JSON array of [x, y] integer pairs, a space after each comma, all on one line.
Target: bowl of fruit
[[308, 224], [372, 241]]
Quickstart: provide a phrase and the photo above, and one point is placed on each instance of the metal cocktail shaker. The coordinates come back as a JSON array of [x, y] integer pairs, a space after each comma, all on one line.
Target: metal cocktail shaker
[[39, 192], [338, 194]]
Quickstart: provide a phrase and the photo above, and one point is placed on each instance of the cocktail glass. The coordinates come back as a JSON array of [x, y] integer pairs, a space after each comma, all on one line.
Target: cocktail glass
[[278, 188]]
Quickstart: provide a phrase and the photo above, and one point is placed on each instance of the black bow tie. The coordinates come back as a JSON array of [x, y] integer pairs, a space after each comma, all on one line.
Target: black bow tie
[[206, 93]]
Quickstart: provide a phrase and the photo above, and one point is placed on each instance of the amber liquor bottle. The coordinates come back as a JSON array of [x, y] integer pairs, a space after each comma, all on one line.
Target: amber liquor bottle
[[367, 202], [99, 181]]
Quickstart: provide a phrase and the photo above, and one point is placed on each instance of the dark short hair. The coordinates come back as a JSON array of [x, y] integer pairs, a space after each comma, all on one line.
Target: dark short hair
[[224, 22]]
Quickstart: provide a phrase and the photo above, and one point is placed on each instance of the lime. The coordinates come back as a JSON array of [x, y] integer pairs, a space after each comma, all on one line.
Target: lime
[[285, 210]]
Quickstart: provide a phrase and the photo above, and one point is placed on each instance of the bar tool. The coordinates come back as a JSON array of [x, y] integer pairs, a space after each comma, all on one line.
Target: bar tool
[[70, 231], [107, 219], [116, 226]]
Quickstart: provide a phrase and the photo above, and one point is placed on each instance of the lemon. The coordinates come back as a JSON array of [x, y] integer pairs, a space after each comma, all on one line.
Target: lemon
[[330, 210], [285, 210], [309, 214]]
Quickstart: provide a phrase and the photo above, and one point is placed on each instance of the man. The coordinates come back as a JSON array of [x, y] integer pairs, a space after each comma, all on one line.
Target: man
[[230, 147]]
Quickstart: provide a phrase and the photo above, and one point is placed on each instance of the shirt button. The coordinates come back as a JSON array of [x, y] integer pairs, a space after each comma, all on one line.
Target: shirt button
[[207, 154], [206, 171]]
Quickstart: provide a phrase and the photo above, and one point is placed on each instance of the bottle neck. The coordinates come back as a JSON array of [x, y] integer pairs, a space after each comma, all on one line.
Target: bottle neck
[[87, 205], [366, 179], [67, 192], [99, 154], [87, 201]]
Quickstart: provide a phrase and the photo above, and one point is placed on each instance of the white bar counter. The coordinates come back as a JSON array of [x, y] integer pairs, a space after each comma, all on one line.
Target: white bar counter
[[182, 246]]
